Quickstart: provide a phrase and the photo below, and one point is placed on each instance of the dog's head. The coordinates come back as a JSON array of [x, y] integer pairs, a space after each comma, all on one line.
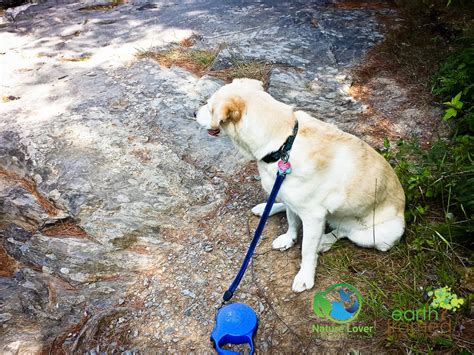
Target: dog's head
[[226, 106]]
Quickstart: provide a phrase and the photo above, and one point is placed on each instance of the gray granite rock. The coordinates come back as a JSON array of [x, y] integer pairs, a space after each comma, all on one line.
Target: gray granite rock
[[21, 12], [111, 196]]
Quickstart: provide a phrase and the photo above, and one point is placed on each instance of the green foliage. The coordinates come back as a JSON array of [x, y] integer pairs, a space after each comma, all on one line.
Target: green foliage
[[441, 177], [445, 299], [439, 188], [438, 181], [455, 79], [453, 107], [456, 75]]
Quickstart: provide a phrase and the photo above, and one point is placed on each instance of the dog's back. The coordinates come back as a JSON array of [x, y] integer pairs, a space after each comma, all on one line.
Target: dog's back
[[370, 199]]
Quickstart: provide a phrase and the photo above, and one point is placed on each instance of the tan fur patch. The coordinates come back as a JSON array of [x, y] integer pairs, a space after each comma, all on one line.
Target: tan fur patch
[[230, 110], [305, 131], [320, 159], [233, 109]]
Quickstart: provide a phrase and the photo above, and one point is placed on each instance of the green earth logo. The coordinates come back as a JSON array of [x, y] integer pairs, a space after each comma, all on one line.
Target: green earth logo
[[340, 303]]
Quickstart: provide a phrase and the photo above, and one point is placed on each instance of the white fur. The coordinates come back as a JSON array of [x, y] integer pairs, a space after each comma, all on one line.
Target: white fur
[[336, 177]]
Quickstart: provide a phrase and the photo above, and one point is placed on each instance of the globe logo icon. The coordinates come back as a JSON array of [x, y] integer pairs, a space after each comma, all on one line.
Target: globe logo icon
[[339, 303]]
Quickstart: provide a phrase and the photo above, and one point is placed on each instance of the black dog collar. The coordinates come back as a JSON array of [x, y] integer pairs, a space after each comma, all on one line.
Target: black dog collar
[[282, 153]]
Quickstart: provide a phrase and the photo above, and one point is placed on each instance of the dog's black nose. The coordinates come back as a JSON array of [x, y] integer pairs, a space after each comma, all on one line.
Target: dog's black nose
[[195, 114]]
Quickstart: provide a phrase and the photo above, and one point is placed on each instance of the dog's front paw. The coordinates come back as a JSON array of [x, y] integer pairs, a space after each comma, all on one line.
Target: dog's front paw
[[258, 209], [283, 242], [304, 280]]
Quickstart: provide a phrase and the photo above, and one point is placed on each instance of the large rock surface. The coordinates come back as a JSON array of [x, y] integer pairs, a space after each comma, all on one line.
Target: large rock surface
[[121, 222]]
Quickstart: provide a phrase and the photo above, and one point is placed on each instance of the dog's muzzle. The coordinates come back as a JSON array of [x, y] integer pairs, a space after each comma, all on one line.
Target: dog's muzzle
[[214, 132]]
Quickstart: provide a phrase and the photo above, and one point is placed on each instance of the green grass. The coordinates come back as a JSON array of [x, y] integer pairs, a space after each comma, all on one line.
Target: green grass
[[435, 251], [399, 279]]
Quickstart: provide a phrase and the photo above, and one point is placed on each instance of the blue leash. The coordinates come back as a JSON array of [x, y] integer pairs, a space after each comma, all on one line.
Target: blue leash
[[258, 232], [236, 323]]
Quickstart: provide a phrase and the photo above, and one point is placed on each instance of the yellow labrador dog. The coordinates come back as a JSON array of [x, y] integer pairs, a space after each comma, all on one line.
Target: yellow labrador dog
[[336, 177]]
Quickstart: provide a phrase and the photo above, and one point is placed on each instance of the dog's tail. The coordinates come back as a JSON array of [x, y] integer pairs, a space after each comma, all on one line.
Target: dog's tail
[[382, 236]]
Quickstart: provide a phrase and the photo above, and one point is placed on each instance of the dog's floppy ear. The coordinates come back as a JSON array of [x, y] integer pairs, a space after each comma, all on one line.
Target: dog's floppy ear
[[229, 109]]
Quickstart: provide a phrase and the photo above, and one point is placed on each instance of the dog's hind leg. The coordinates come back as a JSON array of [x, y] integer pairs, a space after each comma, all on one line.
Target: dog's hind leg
[[276, 208], [327, 241], [287, 240]]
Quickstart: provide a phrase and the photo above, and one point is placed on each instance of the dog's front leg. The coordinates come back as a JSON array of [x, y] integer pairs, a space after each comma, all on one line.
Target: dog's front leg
[[276, 208], [287, 240], [313, 227]]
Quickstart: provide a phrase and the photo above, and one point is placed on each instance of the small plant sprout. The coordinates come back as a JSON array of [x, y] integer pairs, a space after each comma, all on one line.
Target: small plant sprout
[[453, 107], [445, 299]]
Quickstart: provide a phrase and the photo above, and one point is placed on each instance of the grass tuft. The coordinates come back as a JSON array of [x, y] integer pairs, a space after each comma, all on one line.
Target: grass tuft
[[199, 62], [105, 7], [195, 60], [246, 68]]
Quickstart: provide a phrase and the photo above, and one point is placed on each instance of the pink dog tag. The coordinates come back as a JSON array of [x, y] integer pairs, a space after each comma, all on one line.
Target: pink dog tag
[[284, 167]]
